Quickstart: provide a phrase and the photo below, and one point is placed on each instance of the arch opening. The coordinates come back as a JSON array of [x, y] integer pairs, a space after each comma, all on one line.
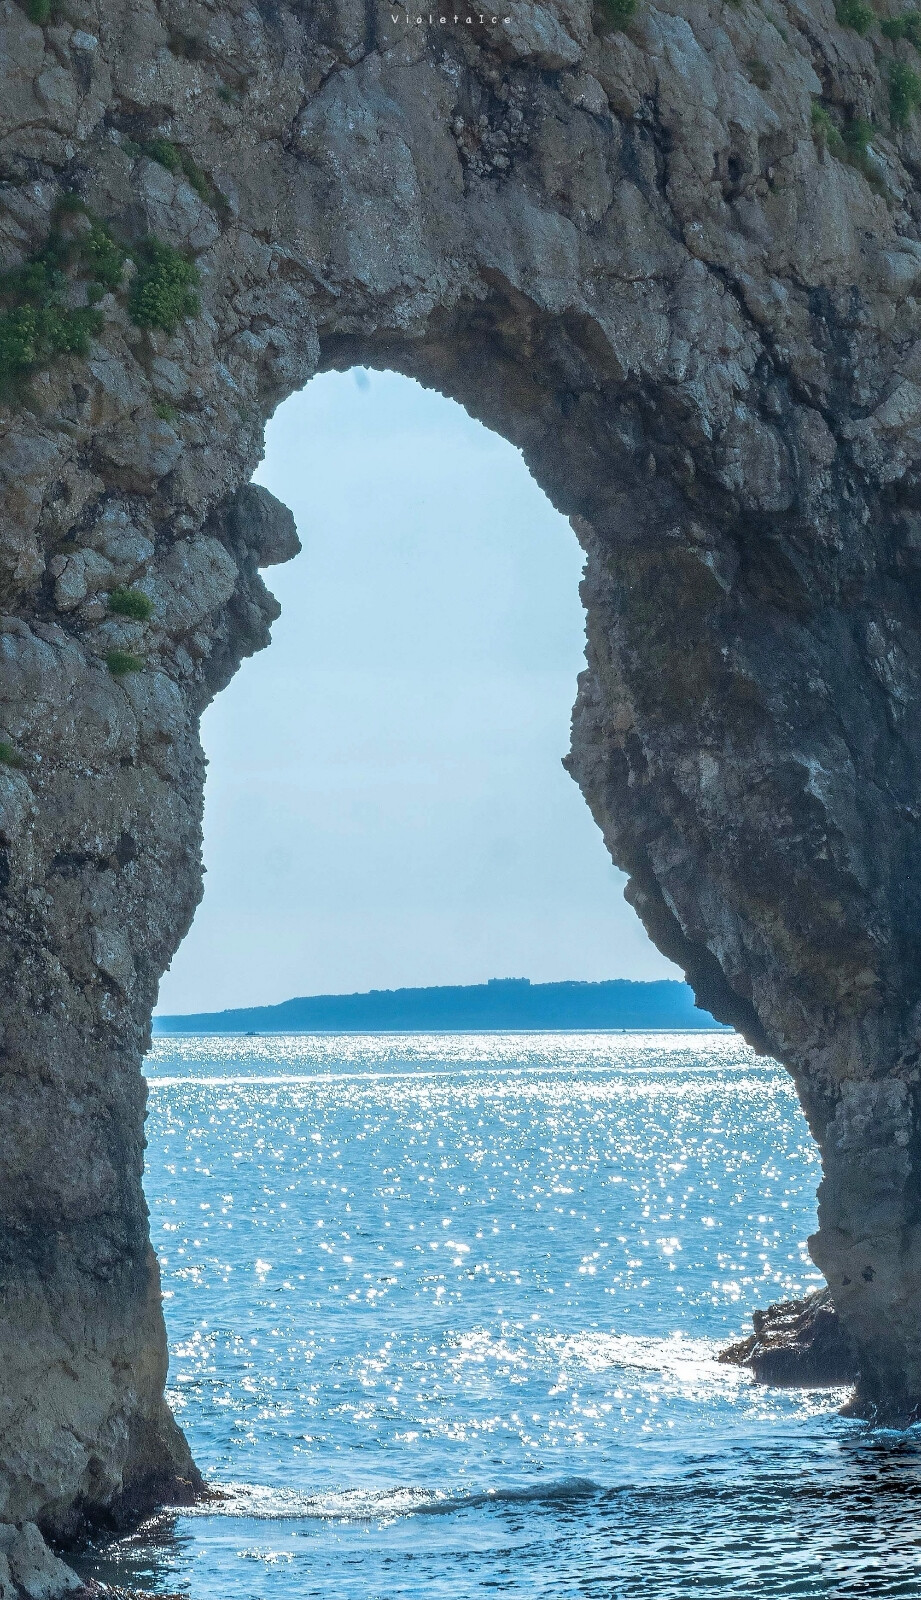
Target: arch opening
[[707, 791], [386, 805]]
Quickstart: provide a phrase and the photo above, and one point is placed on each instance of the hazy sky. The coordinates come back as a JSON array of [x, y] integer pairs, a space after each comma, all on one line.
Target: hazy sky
[[385, 801]]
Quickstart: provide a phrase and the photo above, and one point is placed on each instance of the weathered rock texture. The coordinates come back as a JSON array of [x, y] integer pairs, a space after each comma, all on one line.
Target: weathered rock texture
[[798, 1344], [629, 252]]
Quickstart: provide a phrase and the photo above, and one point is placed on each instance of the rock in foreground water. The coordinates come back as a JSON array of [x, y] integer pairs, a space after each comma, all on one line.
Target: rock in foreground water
[[797, 1344]]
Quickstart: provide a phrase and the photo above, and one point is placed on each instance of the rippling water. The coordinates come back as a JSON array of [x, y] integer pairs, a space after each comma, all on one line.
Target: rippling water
[[443, 1312]]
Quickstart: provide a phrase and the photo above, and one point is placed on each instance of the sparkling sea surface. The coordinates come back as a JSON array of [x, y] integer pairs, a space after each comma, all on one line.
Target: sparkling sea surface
[[443, 1312]]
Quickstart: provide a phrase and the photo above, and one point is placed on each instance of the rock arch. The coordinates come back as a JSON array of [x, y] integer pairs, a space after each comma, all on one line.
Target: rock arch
[[641, 256]]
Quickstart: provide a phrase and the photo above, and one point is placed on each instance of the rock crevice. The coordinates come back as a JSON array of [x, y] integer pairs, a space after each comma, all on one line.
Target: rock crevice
[[678, 265]]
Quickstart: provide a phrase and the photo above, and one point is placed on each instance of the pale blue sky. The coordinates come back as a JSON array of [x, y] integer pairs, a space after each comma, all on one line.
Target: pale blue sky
[[385, 802]]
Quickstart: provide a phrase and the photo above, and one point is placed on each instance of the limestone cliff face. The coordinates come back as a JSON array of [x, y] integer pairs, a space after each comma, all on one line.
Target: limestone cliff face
[[675, 267]]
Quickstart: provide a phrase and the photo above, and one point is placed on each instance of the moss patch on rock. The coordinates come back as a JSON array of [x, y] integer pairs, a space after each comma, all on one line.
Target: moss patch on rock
[[131, 603], [121, 662]]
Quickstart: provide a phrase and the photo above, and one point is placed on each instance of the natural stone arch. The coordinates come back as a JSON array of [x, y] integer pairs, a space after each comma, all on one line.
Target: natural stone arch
[[698, 323]]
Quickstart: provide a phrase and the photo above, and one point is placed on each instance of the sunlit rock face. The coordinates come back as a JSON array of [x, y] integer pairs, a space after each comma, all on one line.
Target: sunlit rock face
[[640, 255]]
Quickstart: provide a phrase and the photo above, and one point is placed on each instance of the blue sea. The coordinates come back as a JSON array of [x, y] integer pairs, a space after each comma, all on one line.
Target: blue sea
[[443, 1315]]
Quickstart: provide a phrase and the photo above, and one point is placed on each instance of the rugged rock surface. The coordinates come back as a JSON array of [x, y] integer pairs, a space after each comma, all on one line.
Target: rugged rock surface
[[798, 1344], [673, 267]]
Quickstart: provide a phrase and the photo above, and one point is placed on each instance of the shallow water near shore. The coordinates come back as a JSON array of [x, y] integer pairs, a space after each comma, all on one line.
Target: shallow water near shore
[[443, 1315]]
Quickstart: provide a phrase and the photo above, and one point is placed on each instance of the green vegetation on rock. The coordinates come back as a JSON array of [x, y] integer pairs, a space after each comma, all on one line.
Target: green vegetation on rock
[[850, 143], [41, 317], [176, 160], [904, 93], [37, 319], [617, 13], [164, 152], [855, 14], [826, 131], [131, 603], [103, 257], [9, 755], [856, 135], [39, 11], [121, 662], [907, 26], [163, 293]]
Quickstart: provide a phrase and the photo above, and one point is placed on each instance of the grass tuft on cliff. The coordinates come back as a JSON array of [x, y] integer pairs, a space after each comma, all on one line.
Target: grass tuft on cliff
[[37, 318], [41, 316], [9, 755], [121, 662], [904, 93], [164, 152], [164, 292], [826, 132], [131, 603], [850, 143]]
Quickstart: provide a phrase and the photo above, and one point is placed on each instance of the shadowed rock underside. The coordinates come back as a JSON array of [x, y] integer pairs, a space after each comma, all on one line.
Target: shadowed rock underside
[[672, 266], [796, 1344]]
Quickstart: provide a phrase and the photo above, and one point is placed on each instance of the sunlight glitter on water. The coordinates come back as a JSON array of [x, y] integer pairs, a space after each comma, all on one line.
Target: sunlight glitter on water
[[444, 1313]]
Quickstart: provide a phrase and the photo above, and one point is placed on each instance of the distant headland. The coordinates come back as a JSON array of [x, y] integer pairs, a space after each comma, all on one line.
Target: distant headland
[[502, 1003]]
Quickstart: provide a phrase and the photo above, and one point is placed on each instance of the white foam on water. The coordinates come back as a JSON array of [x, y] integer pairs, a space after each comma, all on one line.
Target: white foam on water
[[381, 1505]]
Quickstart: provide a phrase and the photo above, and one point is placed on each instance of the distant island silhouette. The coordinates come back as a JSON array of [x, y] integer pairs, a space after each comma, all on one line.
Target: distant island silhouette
[[502, 1003]]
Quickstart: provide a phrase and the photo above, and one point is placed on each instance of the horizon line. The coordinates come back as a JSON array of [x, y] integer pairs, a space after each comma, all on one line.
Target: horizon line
[[424, 988]]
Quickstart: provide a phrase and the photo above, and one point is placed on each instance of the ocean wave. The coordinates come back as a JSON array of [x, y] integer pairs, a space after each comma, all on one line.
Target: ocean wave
[[366, 1505]]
